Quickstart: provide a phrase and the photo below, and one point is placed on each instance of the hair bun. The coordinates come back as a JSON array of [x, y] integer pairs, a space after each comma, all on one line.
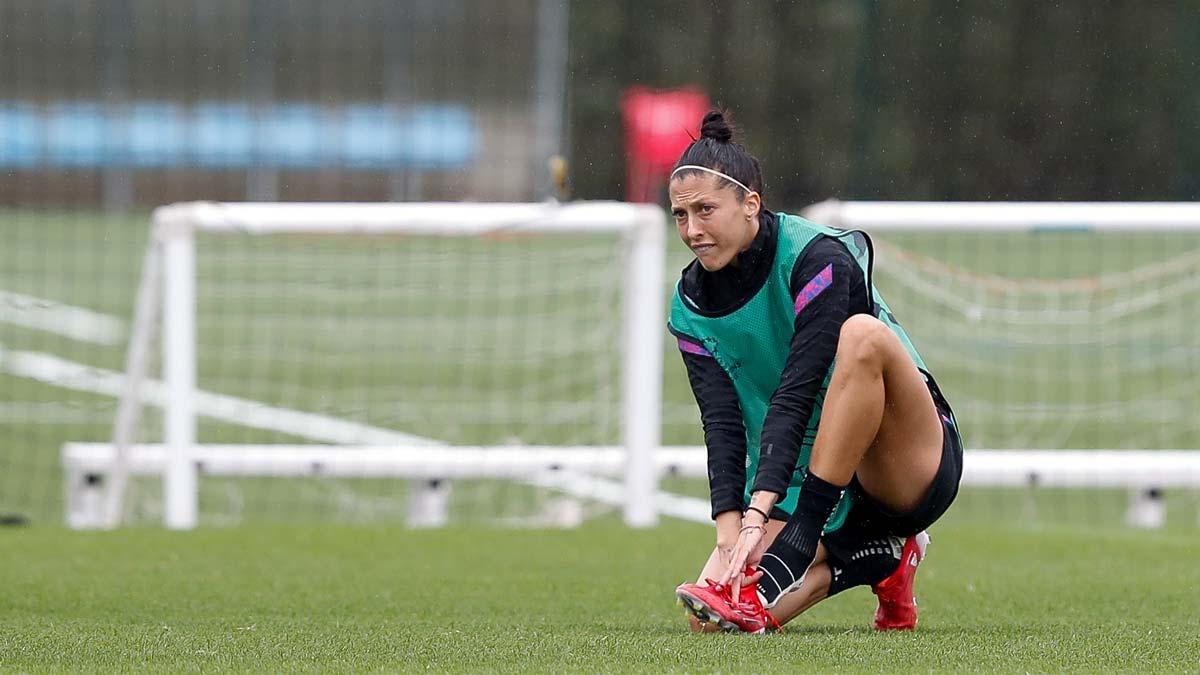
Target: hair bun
[[715, 127]]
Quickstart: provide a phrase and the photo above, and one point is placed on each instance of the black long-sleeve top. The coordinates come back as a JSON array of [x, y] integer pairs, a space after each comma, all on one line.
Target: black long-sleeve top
[[836, 288]]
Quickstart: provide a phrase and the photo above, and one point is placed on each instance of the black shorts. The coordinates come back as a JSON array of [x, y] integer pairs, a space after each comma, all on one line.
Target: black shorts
[[868, 518]]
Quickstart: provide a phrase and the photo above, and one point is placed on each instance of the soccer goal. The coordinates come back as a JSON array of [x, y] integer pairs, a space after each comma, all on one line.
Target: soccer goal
[[514, 346]]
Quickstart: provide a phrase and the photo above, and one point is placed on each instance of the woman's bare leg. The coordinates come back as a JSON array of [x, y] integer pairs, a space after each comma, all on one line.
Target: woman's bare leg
[[878, 420], [879, 425]]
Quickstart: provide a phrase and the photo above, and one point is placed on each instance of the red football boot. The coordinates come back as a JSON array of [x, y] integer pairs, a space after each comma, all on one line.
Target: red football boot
[[897, 606], [711, 602]]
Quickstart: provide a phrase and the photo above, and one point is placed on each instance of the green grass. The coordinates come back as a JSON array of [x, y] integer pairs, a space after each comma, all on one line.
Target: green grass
[[1018, 580], [336, 598]]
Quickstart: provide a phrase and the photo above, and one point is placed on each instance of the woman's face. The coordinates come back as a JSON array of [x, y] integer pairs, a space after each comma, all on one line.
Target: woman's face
[[711, 220]]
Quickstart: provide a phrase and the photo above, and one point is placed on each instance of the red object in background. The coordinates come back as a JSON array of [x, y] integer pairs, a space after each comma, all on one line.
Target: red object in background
[[657, 128]]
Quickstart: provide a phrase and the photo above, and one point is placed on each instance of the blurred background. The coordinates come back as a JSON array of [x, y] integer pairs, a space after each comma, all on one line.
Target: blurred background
[[134, 103], [109, 108]]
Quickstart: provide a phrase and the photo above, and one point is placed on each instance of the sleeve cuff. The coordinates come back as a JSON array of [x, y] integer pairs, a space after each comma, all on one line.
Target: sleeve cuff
[[726, 503], [768, 484]]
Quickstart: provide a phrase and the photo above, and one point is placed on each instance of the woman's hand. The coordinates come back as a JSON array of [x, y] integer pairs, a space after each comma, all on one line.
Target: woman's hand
[[748, 551], [751, 543]]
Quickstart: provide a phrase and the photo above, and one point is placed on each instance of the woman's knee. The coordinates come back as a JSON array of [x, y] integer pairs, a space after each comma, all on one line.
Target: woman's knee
[[864, 342]]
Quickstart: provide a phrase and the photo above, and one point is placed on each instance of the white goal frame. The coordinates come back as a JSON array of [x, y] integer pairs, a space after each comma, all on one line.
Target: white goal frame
[[168, 285], [625, 475]]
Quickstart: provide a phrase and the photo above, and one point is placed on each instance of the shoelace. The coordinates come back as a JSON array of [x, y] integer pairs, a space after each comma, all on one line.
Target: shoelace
[[745, 607]]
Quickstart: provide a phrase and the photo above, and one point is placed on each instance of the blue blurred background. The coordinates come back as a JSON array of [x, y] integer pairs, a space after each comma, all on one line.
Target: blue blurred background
[[132, 103]]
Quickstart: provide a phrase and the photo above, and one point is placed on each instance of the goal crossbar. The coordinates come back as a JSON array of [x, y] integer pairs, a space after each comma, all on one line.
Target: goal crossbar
[[425, 219], [1007, 216]]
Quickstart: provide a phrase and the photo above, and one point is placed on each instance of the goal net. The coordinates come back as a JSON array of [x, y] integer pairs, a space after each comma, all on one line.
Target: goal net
[[313, 354]]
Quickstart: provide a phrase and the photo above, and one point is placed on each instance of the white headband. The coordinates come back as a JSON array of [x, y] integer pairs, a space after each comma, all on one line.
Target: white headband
[[714, 172]]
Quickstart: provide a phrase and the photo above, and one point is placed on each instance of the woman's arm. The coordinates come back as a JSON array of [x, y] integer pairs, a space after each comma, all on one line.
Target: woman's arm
[[827, 286], [724, 431]]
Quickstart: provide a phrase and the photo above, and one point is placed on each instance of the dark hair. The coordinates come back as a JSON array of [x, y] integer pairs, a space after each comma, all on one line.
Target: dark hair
[[715, 149]]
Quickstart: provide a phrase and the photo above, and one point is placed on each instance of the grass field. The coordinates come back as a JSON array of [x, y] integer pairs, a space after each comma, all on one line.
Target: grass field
[[344, 599]]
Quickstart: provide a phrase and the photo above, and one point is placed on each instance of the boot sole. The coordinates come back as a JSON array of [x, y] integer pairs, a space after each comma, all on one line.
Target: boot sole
[[705, 614]]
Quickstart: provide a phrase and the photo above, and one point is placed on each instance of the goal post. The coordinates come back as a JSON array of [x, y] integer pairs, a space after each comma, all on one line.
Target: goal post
[[169, 282]]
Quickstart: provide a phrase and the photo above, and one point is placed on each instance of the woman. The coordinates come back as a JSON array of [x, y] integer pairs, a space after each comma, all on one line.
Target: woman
[[830, 447]]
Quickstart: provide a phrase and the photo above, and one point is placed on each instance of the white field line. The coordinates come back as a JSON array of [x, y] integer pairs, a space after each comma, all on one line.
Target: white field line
[[59, 372], [76, 323], [70, 375]]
